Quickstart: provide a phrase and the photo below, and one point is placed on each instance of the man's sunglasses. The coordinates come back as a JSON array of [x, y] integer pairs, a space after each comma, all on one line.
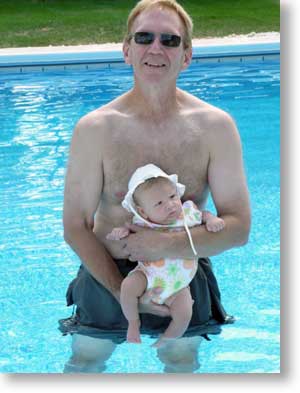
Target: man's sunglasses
[[146, 38]]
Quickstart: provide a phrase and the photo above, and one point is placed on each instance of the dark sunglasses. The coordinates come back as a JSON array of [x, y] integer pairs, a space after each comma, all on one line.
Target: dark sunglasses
[[146, 38]]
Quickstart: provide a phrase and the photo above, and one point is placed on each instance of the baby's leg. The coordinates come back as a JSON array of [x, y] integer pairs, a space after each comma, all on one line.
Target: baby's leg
[[133, 286], [181, 308]]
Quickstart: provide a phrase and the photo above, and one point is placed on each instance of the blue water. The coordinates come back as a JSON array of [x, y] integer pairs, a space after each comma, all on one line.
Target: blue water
[[37, 114]]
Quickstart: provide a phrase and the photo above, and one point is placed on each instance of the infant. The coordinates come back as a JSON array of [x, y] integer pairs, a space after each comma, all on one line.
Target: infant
[[154, 200]]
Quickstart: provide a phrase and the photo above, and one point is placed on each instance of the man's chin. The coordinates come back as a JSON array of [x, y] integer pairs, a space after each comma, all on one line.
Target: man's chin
[[153, 76]]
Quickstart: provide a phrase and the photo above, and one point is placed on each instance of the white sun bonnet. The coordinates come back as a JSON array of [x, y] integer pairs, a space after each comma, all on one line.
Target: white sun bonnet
[[140, 176]]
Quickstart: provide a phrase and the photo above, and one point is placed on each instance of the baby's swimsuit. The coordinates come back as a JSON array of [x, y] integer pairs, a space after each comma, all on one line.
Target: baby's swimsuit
[[171, 274]]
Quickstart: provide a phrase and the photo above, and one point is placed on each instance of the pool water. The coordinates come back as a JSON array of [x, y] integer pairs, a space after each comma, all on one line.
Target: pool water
[[38, 112]]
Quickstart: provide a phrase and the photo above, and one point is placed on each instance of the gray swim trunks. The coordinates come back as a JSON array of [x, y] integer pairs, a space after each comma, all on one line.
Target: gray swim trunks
[[98, 314]]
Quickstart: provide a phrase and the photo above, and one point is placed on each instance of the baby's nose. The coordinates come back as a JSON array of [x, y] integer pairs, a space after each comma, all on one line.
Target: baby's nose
[[170, 206]]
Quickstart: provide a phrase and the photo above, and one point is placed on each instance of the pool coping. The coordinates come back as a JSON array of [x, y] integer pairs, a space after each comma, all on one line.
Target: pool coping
[[116, 57]]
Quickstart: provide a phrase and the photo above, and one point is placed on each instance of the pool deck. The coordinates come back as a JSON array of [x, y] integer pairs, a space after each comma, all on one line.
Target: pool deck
[[209, 49]]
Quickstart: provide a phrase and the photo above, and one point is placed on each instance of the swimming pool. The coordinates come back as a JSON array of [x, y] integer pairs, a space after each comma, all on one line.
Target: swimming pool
[[38, 112]]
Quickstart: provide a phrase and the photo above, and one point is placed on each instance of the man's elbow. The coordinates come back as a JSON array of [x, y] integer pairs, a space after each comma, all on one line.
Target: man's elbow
[[243, 239], [73, 228], [67, 235], [69, 231], [243, 233]]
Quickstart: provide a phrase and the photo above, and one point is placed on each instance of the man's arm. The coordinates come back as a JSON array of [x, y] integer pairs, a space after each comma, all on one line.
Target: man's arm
[[83, 187], [226, 179], [227, 182]]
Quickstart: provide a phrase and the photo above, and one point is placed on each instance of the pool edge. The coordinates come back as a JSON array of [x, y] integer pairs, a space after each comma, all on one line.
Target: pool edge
[[116, 57]]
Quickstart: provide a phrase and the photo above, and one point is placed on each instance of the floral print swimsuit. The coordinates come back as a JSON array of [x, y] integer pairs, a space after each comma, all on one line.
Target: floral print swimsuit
[[171, 274]]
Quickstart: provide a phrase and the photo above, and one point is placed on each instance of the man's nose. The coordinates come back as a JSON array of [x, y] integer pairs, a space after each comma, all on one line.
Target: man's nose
[[156, 45]]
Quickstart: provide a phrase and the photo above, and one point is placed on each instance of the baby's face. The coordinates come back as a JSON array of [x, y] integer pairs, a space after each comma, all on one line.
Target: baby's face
[[160, 203]]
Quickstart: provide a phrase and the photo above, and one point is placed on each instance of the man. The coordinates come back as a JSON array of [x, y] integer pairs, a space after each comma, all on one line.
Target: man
[[157, 123]]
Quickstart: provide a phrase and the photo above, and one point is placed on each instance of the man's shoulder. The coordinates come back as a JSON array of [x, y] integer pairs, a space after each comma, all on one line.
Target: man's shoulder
[[205, 111], [98, 117], [213, 123], [100, 120]]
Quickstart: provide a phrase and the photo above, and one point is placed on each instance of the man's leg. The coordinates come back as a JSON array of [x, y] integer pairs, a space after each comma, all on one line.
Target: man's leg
[[180, 355], [89, 354]]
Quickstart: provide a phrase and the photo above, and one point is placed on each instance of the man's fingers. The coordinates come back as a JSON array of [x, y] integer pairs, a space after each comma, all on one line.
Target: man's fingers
[[161, 310], [148, 295], [156, 309], [156, 290]]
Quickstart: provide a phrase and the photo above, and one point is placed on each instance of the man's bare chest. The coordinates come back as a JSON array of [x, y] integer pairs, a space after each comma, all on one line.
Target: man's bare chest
[[183, 153]]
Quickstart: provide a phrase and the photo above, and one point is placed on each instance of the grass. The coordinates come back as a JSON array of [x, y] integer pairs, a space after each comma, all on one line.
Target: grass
[[74, 22]]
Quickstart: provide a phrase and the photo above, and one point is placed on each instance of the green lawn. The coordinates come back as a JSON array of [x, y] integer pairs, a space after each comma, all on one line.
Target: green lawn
[[71, 22]]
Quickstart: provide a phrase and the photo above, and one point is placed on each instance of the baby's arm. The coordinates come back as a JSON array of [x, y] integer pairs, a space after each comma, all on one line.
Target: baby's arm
[[117, 233], [212, 223]]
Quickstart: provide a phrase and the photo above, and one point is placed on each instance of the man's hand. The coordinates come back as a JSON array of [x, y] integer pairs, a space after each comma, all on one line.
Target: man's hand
[[144, 244], [147, 306]]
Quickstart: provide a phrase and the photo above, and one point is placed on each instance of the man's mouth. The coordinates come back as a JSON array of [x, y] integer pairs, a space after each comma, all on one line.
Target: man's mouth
[[154, 65]]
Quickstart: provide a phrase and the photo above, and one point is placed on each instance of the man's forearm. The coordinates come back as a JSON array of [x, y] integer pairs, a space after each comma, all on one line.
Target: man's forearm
[[207, 243], [95, 258]]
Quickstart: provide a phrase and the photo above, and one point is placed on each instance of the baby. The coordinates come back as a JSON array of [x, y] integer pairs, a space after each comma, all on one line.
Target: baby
[[154, 200]]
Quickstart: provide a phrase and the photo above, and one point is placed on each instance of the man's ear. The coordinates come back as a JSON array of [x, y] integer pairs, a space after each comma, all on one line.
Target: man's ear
[[126, 52], [141, 212], [188, 54]]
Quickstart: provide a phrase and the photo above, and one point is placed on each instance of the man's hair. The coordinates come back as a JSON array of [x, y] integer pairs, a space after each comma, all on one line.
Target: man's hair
[[145, 5], [146, 185]]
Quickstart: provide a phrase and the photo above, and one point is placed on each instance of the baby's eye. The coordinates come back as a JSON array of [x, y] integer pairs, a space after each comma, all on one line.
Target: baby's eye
[[158, 203], [173, 196]]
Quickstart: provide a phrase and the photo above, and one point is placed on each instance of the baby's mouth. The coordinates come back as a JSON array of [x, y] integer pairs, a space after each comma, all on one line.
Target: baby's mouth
[[173, 214]]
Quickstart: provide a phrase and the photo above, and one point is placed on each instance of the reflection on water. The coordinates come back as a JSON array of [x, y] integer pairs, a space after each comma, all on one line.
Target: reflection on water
[[91, 355]]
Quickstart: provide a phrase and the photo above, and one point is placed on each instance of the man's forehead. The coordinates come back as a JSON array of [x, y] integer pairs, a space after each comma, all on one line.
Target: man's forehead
[[162, 19]]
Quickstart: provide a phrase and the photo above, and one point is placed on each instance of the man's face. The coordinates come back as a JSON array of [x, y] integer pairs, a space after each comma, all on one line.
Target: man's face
[[155, 62]]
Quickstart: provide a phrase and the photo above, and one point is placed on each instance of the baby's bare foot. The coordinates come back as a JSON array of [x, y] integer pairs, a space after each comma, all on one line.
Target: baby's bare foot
[[215, 224], [133, 332]]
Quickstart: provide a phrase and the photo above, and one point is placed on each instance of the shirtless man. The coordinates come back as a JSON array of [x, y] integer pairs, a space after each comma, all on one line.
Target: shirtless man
[[153, 122]]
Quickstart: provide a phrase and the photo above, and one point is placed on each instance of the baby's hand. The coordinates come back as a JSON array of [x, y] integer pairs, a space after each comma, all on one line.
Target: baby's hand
[[215, 224], [118, 233]]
